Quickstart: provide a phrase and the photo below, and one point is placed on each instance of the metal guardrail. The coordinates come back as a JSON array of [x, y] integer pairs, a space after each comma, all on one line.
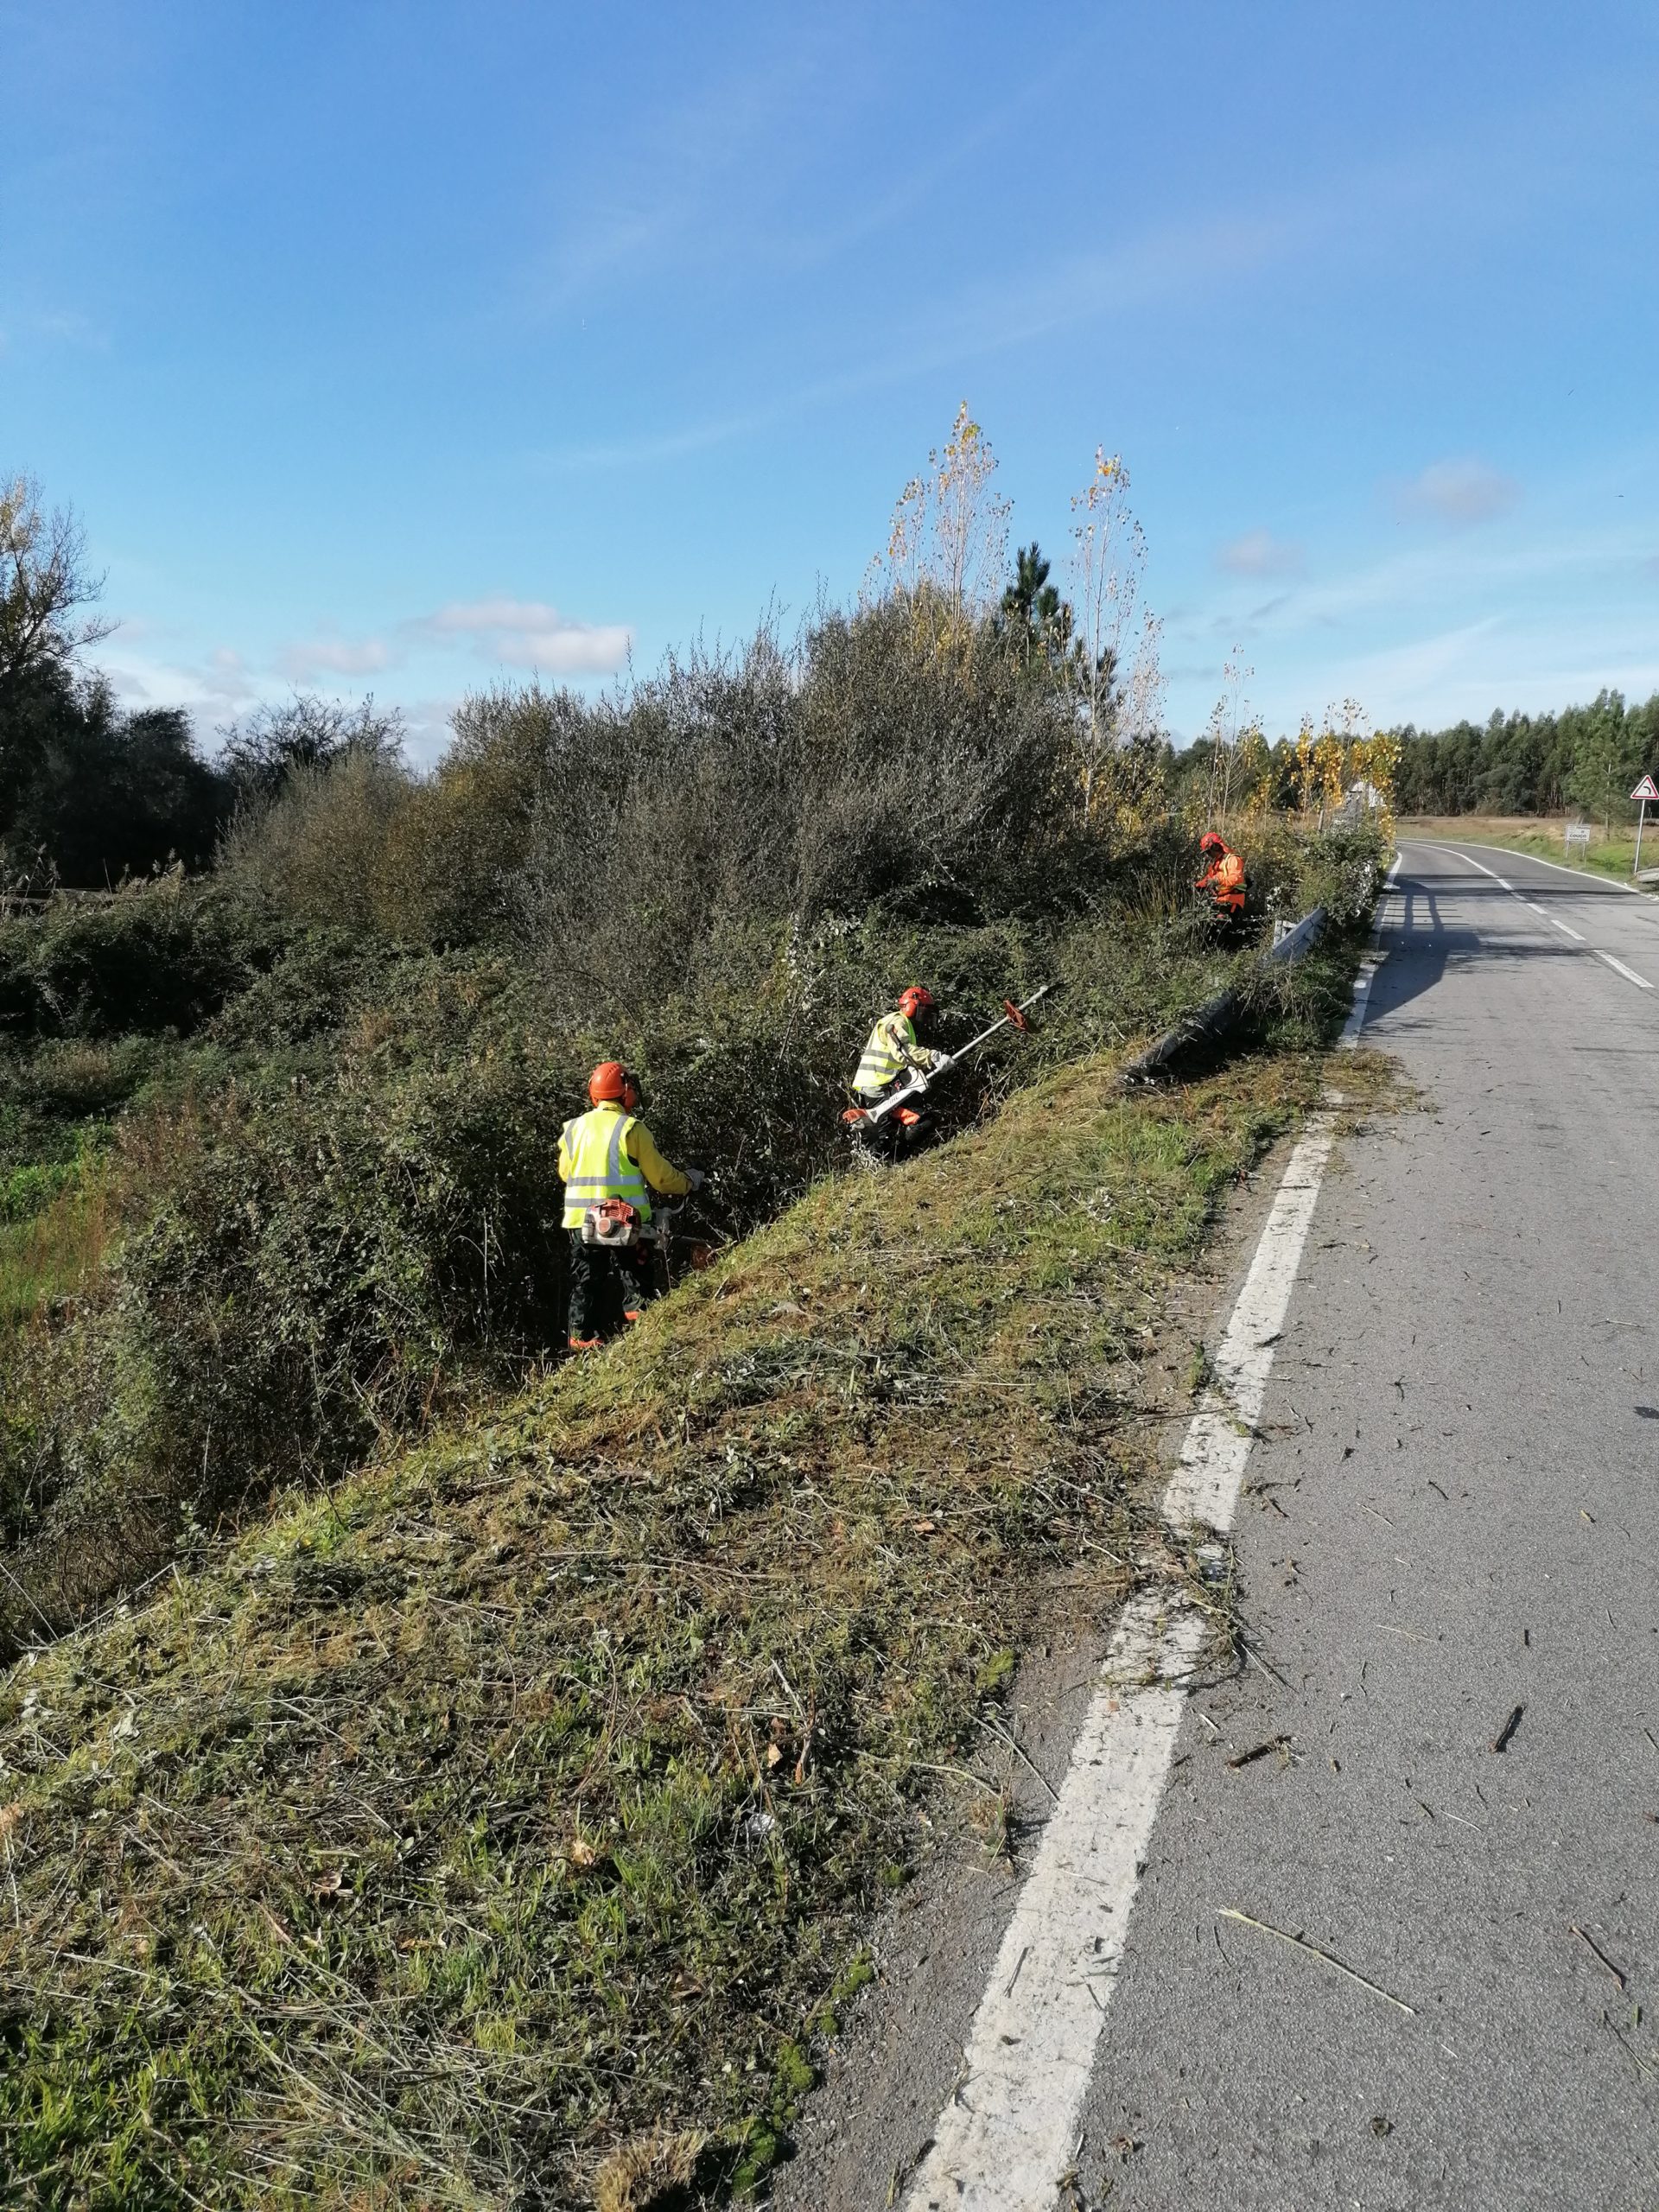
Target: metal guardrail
[[1215, 1017], [1299, 937]]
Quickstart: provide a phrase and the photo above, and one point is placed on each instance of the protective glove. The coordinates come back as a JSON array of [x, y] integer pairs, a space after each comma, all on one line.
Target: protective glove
[[696, 1177]]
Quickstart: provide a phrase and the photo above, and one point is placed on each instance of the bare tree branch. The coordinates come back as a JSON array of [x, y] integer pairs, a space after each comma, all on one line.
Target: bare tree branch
[[43, 579]]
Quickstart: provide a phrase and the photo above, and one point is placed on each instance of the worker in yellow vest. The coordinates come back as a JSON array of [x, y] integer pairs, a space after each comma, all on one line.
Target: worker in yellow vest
[[610, 1166], [894, 1048]]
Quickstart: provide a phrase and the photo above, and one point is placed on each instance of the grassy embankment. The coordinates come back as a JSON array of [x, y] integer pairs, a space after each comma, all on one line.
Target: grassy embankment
[[524, 1797], [1542, 836], [310, 1208]]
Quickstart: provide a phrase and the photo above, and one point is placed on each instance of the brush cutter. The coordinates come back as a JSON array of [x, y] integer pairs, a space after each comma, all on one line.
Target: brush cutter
[[894, 1114]]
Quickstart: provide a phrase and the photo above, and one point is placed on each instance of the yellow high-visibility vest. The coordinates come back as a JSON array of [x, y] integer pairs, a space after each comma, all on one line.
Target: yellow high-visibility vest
[[594, 1160], [892, 1042]]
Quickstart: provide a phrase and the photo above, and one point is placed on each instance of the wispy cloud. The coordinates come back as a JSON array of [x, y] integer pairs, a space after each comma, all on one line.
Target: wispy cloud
[[648, 450], [39, 330], [982, 320], [528, 633], [303, 663], [673, 175], [1457, 493], [221, 684], [1258, 553], [1193, 259], [1423, 667]]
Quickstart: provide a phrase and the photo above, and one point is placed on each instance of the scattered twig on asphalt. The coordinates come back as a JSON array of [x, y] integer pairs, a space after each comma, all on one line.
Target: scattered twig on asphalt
[[1255, 1659], [1301, 1943], [1245, 1758], [1500, 1741], [1651, 1738], [1642, 2065], [1573, 1928], [1021, 1752]]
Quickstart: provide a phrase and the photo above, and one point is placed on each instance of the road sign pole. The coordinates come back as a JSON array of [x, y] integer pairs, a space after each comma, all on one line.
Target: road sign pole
[[1645, 790]]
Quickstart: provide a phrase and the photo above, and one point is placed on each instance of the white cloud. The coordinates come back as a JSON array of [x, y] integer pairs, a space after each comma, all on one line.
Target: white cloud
[[528, 633], [1258, 553], [1457, 493], [223, 685], [311, 658], [427, 728]]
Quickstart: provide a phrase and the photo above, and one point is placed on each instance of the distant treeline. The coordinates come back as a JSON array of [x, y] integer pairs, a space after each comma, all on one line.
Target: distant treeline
[[1584, 758]]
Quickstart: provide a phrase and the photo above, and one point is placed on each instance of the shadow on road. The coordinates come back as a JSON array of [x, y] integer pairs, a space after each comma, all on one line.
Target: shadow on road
[[1421, 943]]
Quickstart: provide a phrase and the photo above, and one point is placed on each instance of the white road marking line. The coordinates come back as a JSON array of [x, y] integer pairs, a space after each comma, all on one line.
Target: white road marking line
[[1469, 860], [1368, 968], [1584, 874], [1005, 2137], [1629, 974], [1204, 1486]]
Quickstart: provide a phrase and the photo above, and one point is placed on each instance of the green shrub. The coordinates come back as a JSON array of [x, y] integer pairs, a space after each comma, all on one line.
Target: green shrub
[[159, 956], [312, 849], [331, 1206]]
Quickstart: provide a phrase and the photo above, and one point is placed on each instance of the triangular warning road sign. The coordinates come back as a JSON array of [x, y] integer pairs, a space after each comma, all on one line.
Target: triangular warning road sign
[[1646, 789]]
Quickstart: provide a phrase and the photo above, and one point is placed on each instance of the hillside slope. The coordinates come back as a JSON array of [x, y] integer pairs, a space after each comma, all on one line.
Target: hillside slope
[[521, 1799]]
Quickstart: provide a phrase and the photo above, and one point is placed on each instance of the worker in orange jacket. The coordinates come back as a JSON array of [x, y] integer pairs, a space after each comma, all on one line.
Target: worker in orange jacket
[[1224, 875]]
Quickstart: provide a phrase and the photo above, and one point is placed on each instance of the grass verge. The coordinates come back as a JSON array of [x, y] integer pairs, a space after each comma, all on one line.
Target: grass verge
[[501, 1826]]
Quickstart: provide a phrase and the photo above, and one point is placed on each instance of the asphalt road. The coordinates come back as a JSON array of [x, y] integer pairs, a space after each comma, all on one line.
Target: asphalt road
[[1452, 1514], [1451, 1517]]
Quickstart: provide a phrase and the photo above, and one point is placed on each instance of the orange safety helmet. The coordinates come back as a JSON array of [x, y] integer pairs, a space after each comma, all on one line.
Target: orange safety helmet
[[611, 1083], [1210, 842], [917, 1000]]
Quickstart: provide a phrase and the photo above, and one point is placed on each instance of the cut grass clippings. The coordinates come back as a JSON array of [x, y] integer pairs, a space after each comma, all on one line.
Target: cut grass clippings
[[504, 1823]]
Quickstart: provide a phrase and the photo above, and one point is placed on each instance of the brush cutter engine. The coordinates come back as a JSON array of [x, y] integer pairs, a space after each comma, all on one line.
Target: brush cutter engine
[[613, 1223]]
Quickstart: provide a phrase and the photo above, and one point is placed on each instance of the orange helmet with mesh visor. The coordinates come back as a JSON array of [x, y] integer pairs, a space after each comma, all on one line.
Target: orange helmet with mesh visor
[[917, 1000], [611, 1084]]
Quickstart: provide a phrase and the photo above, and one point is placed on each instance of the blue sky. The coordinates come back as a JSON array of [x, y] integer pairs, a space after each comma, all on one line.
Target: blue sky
[[403, 347]]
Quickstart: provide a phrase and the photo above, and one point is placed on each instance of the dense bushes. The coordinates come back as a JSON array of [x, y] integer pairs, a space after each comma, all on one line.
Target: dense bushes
[[157, 956], [616, 841], [331, 1207]]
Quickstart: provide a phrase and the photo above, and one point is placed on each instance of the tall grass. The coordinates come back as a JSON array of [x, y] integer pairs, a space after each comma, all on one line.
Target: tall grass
[[58, 1252]]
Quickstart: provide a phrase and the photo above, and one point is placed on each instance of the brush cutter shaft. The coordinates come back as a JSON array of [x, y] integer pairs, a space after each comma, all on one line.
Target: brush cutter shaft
[[922, 1078]]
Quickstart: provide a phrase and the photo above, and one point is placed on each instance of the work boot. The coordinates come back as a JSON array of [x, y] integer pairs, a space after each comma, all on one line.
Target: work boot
[[586, 1344]]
